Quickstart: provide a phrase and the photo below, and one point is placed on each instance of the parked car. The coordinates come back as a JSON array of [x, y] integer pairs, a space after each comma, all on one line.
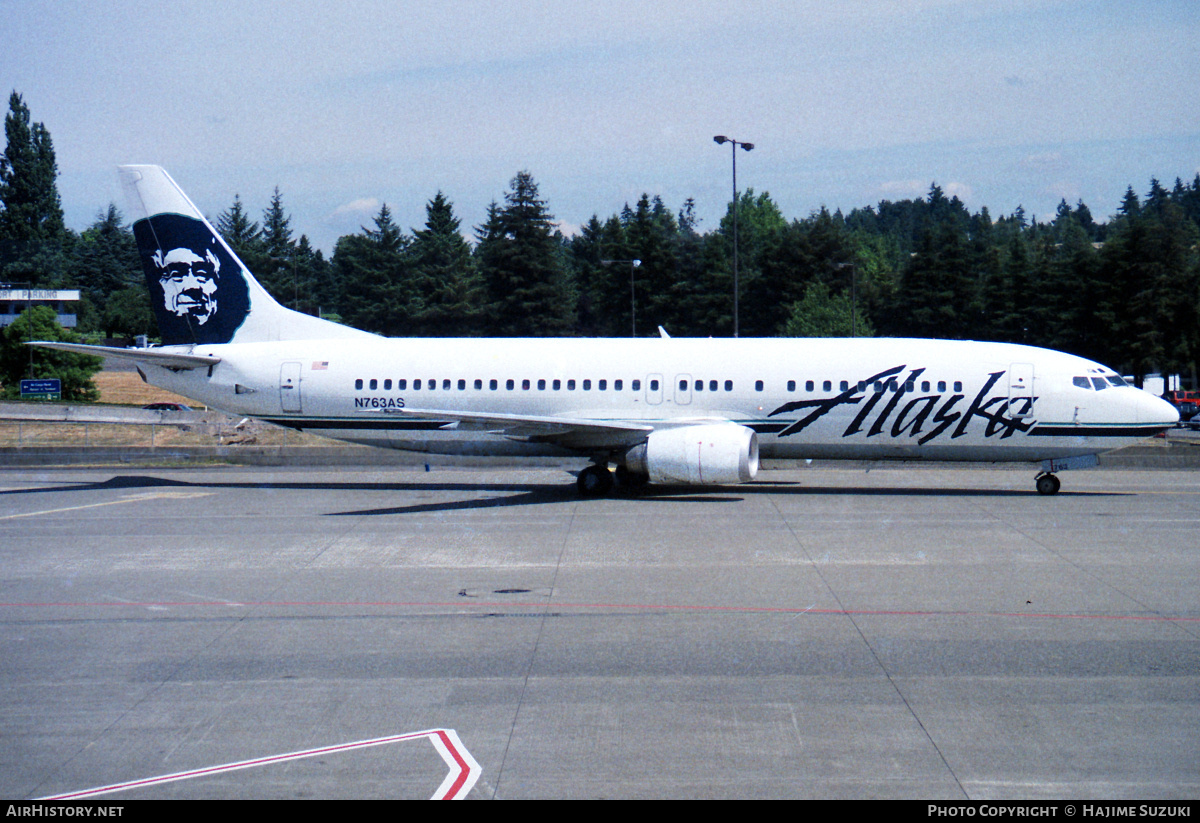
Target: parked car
[[1188, 403], [166, 407]]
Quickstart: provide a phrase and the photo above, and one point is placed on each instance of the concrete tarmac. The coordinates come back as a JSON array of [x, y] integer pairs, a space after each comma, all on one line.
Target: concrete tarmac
[[822, 632]]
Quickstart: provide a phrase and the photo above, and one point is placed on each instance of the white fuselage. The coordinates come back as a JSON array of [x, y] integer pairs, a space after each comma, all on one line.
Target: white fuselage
[[864, 398]]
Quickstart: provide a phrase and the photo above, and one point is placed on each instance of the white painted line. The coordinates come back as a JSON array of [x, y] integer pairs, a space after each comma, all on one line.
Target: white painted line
[[219, 600], [464, 770], [131, 499]]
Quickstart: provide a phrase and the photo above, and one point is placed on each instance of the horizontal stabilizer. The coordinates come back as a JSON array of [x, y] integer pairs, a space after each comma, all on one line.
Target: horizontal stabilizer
[[153, 357]]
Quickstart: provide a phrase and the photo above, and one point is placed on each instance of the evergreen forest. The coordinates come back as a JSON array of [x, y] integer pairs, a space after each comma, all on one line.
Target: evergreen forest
[[1123, 290]]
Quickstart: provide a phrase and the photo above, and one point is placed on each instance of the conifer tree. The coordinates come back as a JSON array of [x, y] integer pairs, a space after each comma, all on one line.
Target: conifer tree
[[376, 277], [522, 263], [32, 233], [317, 290], [242, 235], [277, 271], [105, 262], [586, 254], [444, 273]]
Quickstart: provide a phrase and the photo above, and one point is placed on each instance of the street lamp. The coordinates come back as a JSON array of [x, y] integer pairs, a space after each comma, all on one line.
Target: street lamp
[[721, 139], [633, 264]]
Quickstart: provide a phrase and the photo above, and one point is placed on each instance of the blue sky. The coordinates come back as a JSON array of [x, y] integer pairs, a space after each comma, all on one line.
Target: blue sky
[[348, 105]]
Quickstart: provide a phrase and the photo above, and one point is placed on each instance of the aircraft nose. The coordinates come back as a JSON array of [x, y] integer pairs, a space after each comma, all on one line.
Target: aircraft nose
[[1156, 411]]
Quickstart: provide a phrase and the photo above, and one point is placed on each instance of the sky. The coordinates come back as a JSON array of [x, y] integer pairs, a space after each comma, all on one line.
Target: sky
[[346, 106]]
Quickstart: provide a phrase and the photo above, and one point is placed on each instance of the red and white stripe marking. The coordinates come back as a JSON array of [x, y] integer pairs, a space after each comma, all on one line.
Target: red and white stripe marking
[[464, 770]]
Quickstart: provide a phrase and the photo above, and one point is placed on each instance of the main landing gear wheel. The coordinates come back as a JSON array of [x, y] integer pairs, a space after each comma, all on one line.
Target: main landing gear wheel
[[631, 480], [594, 481], [1047, 484]]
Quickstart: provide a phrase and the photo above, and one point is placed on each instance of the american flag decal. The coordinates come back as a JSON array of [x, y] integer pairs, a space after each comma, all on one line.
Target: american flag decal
[[320, 365]]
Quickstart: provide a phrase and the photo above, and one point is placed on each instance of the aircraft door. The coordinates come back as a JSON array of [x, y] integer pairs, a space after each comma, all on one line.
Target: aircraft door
[[289, 387], [654, 389], [1020, 390], [683, 389]]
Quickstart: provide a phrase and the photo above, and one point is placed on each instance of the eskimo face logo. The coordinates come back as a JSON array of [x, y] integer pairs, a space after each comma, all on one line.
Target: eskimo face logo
[[197, 287], [189, 283]]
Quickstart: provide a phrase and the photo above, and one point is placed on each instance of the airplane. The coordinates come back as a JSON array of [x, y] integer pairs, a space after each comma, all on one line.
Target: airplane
[[662, 410]]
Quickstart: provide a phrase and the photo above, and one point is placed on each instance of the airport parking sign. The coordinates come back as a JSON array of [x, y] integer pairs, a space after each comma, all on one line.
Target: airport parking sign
[[50, 389]]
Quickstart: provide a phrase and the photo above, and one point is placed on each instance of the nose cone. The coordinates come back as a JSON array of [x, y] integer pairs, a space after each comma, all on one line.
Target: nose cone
[[1154, 411]]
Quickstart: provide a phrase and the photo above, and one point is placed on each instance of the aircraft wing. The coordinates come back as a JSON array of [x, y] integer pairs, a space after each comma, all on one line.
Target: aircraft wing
[[520, 426], [154, 357]]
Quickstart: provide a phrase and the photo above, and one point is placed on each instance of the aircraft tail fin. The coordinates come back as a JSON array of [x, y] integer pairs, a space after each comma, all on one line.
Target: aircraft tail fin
[[200, 290]]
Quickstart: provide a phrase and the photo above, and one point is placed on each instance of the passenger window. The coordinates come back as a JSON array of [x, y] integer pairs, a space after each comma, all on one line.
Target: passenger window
[[358, 384], [941, 385], [617, 384], [446, 385], [791, 385], [374, 384], [924, 385], [432, 385], [728, 385], [808, 385], [636, 385], [541, 385], [510, 384], [958, 385], [602, 385], [570, 385], [587, 385], [492, 384], [417, 385], [712, 385], [699, 385], [1082, 383], [653, 385], [402, 384], [387, 384], [758, 385], [557, 384], [683, 385], [525, 385], [478, 383]]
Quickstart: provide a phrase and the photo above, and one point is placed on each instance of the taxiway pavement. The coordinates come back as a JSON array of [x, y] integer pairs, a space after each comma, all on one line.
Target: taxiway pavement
[[824, 632]]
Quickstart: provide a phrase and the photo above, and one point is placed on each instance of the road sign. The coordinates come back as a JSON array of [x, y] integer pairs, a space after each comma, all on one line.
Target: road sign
[[50, 389]]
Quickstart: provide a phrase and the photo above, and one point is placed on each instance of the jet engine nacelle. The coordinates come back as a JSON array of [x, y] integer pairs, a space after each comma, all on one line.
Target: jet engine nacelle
[[708, 454]]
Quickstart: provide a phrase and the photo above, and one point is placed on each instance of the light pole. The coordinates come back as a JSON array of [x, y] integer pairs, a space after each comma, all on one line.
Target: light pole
[[633, 264], [719, 140]]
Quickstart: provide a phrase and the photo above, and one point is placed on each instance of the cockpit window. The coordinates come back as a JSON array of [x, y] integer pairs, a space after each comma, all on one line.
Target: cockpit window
[[1116, 380], [1081, 382], [1100, 383]]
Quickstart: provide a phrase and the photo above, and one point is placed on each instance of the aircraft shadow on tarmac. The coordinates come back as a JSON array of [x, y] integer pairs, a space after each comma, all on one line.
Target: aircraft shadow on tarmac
[[526, 494]]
